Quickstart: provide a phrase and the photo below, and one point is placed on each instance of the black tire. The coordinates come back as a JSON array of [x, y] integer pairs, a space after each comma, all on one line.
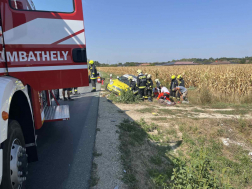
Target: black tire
[[14, 132]]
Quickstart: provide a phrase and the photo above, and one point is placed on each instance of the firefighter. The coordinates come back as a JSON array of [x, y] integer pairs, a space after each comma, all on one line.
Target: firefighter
[[76, 90], [157, 88], [132, 85], [68, 94], [141, 83], [174, 84], [149, 87], [181, 82], [93, 75]]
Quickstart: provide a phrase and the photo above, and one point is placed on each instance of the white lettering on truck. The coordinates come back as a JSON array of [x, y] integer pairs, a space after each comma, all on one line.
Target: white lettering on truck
[[12, 57], [22, 56]]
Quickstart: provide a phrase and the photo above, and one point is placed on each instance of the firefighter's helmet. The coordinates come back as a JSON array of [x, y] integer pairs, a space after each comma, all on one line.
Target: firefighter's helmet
[[148, 76], [139, 71], [179, 77], [156, 80], [130, 78], [91, 62], [173, 77]]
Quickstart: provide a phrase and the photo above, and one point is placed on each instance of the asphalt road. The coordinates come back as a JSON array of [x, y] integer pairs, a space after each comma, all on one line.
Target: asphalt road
[[65, 148]]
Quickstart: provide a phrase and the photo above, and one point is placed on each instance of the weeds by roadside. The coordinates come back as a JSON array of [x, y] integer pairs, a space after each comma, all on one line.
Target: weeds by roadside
[[93, 181], [126, 97], [164, 169]]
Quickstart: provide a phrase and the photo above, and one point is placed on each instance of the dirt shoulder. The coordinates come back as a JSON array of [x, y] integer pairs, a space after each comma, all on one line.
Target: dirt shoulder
[[107, 168]]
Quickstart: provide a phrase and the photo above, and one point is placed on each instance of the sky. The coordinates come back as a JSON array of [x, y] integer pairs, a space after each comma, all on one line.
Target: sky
[[163, 30]]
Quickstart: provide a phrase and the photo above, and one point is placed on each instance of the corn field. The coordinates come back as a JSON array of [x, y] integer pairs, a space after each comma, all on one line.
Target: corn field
[[224, 79]]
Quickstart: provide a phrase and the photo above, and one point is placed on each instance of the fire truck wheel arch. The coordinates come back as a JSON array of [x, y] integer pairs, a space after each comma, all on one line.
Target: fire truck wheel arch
[[15, 101]]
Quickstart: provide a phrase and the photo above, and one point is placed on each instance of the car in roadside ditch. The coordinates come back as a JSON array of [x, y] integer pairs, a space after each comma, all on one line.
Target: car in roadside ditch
[[120, 84]]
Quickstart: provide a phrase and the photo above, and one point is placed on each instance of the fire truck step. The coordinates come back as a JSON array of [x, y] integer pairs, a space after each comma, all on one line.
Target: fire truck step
[[57, 113]]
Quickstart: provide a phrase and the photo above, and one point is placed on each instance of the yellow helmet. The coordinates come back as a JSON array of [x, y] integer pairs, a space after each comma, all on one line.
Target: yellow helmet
[[179, 77], [173, 77], [139, 71], [130, 78], [91, 62], [148, 76]]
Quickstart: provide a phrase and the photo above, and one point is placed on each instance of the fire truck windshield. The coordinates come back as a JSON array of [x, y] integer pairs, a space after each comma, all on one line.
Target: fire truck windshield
[[45, 5]]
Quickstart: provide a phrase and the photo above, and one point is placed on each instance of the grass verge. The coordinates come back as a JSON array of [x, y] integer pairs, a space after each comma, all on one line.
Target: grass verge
[[155, 157], [126, 97]]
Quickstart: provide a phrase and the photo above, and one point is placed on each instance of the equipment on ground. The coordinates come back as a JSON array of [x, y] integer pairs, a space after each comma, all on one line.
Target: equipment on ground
[[40, 51]]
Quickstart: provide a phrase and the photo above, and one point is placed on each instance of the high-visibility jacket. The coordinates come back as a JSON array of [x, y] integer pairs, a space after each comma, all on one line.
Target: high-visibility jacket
[[164, 96], [93, 71], [181, 82], [149, 84], [141, 81], [174, 84], [133, 87]]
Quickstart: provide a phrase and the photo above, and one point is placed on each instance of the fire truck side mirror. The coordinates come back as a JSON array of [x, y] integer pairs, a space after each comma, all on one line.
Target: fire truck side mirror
[[79, 55]]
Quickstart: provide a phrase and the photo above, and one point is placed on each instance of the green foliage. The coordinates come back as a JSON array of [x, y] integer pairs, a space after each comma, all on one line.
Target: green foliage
[[157, 160], [197, 173], [243, 61], [126, 97]]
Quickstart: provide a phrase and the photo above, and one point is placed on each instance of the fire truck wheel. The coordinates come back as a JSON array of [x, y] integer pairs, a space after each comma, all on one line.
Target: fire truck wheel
[[15, 164]]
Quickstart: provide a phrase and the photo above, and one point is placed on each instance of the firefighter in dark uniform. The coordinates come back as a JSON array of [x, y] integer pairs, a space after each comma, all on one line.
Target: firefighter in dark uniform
[[181, 82], [132, 85], [149, 87], [93, 74], [174, 84], [141, 83]]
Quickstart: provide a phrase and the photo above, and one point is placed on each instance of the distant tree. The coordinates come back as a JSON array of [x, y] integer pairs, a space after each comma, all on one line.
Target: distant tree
[[243, 61]]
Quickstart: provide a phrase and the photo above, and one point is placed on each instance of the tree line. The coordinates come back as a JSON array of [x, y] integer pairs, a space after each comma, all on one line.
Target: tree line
[[244, 60]]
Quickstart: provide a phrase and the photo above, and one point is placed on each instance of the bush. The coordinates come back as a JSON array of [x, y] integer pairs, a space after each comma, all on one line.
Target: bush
[[197, 173], [205, 96], [126, 97]]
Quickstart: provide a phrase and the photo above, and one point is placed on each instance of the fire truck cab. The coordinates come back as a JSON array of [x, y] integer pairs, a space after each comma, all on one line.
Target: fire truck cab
[[41, 49]]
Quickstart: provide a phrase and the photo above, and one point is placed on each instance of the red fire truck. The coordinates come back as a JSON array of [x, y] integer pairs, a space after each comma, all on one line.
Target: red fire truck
[[39, 51]]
